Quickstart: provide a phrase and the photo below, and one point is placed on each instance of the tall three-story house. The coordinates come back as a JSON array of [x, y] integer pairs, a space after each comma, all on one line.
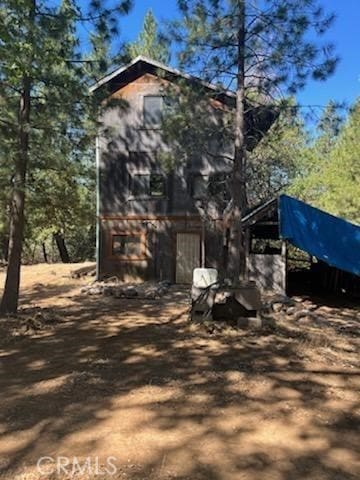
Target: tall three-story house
[[151, 221]]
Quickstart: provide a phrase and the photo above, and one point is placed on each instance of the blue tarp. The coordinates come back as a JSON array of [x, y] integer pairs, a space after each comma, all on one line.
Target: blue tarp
[[328, 238]]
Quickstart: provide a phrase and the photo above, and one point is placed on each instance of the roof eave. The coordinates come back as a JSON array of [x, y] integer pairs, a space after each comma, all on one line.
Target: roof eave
[[154, 63]]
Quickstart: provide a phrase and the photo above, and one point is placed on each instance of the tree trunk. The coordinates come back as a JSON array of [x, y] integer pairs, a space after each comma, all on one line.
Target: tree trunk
[[44, 252], [5, 248], [61, 245], [9, 303], [10, 299], [236, 251]]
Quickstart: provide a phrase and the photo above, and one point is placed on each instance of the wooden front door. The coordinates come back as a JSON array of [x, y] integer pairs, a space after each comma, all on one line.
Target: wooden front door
[[187, 256]]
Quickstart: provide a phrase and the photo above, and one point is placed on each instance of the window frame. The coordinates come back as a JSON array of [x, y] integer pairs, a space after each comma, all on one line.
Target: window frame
[[151, 125], [163, 195], [206, 180], [147, 195], [143, 246], [211, 179], [215, 180], [132, 183]]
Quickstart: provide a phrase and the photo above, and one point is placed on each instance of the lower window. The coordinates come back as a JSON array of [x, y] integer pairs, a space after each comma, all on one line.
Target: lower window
[[128, 246]]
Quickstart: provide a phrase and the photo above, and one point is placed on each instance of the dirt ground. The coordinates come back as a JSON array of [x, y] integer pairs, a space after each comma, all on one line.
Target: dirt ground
[[132, 379]]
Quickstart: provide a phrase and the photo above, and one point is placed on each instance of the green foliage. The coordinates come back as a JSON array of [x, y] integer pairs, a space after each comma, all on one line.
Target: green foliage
[[198, 127], [329, 127], [149, 42], [272, 57], [329, 176], [63, 201], [277, 50], [40, 41], [194, 124], [272, 165]]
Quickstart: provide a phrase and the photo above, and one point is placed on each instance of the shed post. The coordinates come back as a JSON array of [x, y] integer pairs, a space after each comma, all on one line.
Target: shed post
[[284, 256]]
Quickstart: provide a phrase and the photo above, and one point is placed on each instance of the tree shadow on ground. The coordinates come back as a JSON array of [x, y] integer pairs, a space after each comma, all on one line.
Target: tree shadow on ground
[[132, 379]]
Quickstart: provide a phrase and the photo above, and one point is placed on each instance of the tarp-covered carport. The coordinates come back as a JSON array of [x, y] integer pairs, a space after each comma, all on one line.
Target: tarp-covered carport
[[326, 237], [332, 240], [331, 243]]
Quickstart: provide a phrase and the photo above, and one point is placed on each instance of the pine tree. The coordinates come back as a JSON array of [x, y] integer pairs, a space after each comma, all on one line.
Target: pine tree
[[329, 174], [315, 156], [257, 49], [328, 127], [272, 165], [149, 43], [45, 107], [340, 179]]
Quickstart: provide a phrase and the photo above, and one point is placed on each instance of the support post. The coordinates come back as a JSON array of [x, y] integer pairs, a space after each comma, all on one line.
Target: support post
[[97, 247]]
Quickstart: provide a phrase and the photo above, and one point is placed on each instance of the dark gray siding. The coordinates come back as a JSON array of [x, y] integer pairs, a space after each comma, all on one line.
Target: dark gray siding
[[159, 219], [126, 134]]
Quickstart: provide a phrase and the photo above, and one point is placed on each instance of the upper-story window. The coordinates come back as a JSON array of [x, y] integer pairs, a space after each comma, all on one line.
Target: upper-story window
[[153, 108], [140, 185], [157, 185], [199, 186], [219, 185], [207, 186], [148, 185]]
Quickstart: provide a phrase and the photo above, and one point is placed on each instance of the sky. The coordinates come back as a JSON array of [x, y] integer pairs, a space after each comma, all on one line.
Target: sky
[[343, 86]]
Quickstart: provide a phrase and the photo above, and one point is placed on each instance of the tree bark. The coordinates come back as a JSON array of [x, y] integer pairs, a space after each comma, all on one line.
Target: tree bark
[[44, 252], [10, 299], [9, 302], [236, 250], [5, 248], [61, 245]]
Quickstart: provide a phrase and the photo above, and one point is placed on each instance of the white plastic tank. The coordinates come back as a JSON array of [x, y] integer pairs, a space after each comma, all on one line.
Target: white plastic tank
[[204, 277]]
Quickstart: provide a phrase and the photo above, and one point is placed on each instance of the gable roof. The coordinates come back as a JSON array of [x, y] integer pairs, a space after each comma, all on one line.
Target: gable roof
[[258, 119], [141, 65], [259, 212]]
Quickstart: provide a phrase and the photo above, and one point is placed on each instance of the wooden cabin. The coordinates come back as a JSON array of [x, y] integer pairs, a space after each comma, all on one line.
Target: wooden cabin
[[151, 222]]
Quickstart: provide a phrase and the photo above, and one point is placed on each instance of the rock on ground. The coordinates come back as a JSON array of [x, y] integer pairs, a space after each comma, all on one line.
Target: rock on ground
[[146, 290]]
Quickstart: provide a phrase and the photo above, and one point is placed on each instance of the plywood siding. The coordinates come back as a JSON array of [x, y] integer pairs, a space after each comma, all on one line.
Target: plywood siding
[[161, 240], [268, 271], [125, 133]]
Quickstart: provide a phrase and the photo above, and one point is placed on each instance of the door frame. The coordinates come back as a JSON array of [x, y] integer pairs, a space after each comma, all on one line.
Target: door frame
[[201, 240]]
